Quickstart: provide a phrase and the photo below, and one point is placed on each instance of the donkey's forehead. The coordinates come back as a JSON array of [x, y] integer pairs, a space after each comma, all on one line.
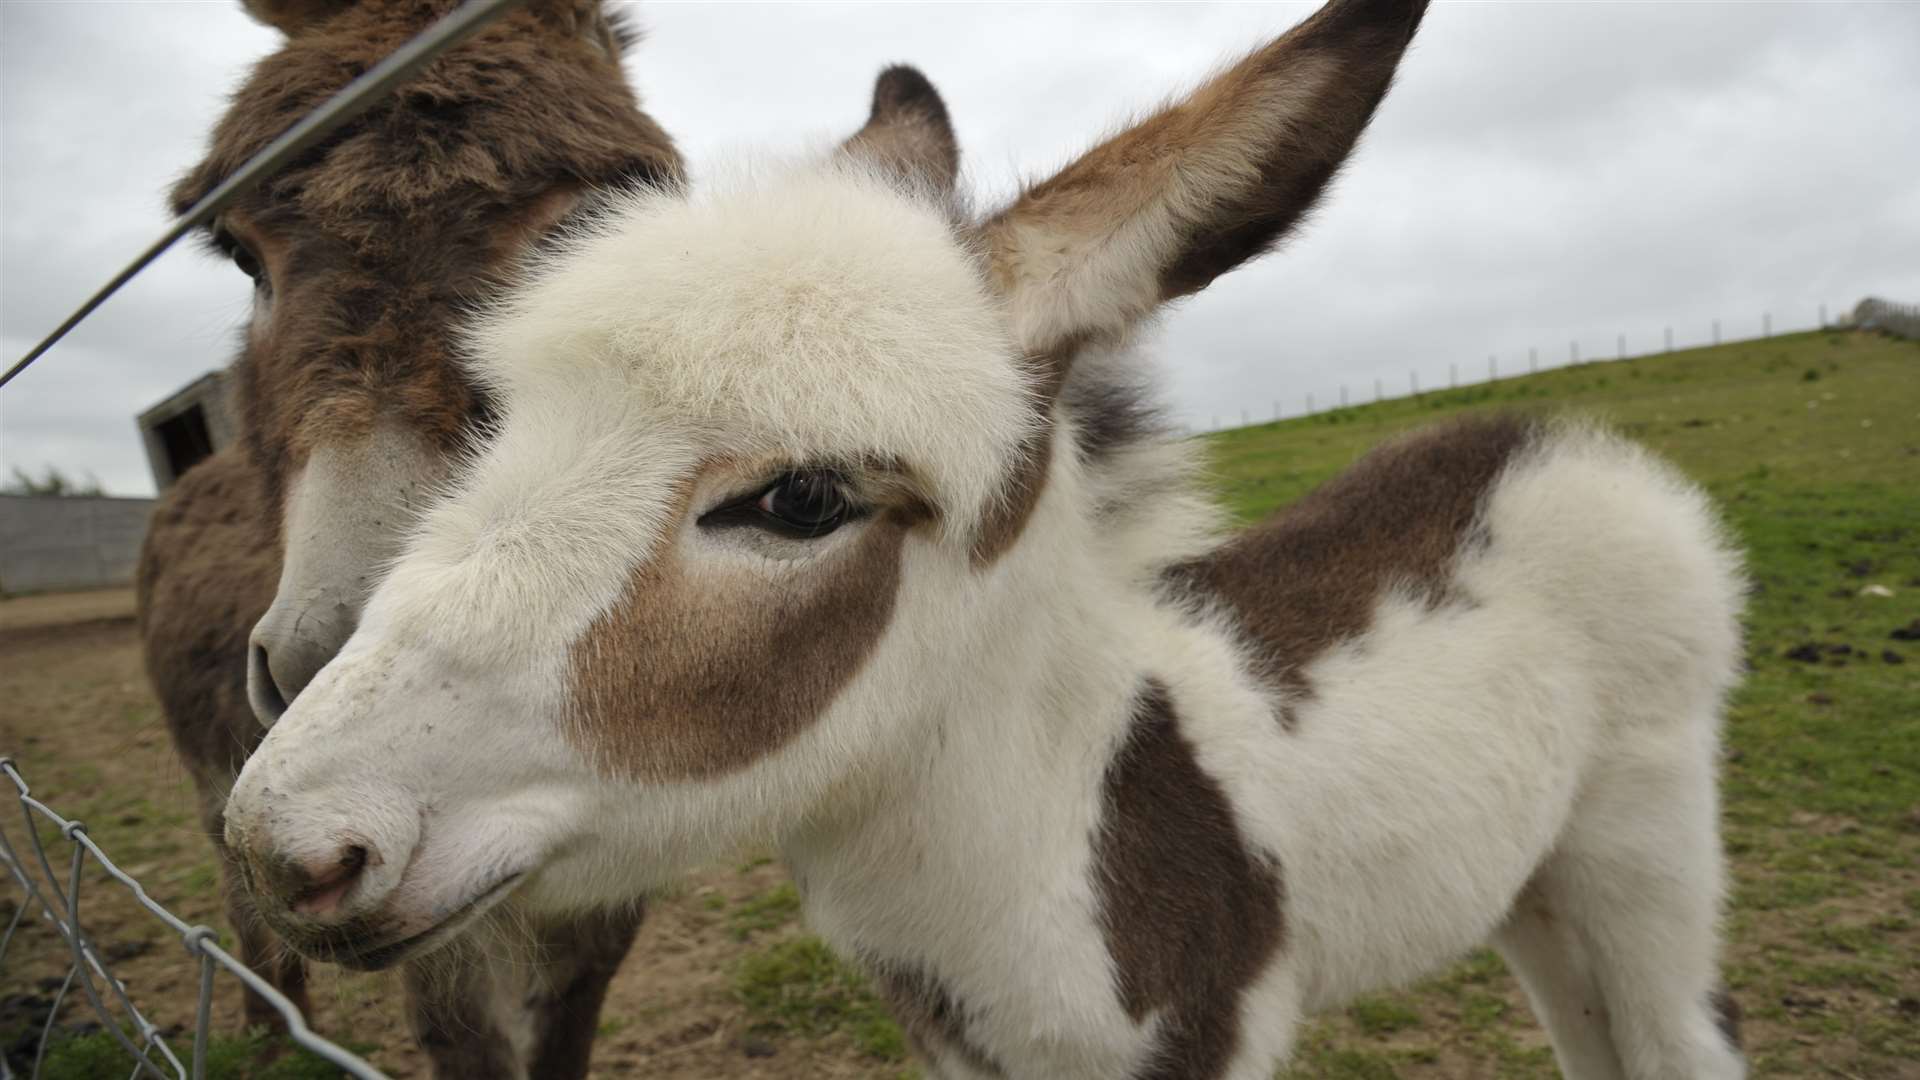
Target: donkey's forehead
[[816, 313]]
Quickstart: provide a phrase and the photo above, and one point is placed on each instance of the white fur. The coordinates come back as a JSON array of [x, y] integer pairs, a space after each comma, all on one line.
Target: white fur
[[346, 519], [1553, 737]]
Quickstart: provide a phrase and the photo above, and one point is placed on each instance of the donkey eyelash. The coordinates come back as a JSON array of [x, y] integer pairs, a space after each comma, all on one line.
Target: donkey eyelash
[[745, 510]]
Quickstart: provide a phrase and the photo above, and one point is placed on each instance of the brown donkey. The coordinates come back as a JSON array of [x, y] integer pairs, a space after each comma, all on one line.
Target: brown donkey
[[364, 253]]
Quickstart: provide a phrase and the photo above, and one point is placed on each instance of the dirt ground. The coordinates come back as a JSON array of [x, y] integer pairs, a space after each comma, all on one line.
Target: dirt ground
[[81, 725]]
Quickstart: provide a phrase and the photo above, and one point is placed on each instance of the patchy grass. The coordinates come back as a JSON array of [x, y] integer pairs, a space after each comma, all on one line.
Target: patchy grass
[[799, 987], [254, 1055], [770, 910]]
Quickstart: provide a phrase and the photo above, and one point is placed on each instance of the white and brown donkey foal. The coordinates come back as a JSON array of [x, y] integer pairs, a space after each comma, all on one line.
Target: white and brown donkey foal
[[814, 516]]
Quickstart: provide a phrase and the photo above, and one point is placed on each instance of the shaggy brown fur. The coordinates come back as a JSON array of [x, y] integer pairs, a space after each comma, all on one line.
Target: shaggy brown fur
[[208, 569], [387, 233], [374, 244]]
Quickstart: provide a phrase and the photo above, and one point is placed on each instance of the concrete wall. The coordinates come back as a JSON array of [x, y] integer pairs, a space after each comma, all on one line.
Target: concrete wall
[[69, 542]]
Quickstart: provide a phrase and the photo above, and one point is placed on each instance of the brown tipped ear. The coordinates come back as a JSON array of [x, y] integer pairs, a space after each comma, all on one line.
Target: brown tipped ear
[[908, 133], [291, 17], [1206, 183]]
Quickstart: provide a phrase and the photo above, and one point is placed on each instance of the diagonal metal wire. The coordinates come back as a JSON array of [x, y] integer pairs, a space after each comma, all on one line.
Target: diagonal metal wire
[[352, 100], [106, 995]]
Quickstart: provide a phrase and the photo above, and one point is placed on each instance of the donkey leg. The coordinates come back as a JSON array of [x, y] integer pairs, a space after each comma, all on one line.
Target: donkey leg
[[1641, 875], [578, 959], [452, 1009], [1553, 964]]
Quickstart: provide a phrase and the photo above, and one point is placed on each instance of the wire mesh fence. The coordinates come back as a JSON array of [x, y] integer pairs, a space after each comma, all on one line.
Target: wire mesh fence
[[53, 890]]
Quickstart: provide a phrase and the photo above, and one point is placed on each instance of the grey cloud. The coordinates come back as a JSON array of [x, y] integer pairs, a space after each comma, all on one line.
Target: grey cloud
[[1542, 173]]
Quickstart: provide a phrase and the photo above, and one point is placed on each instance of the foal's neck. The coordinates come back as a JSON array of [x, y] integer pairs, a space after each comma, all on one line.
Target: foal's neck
[[979, 847]]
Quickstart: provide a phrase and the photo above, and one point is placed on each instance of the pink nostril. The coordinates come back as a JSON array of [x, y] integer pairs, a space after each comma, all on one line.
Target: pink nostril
[[328, 883]]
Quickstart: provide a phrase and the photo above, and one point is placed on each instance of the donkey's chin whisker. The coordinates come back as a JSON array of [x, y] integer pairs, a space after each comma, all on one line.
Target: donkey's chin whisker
[[376, 951]]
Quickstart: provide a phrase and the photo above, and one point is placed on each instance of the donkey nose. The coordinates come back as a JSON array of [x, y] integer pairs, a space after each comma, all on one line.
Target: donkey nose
[[286, 650], [322, 853], [313, 885]]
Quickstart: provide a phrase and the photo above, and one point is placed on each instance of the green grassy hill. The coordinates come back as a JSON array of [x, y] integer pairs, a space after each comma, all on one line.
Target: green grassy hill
[[1810, 444]]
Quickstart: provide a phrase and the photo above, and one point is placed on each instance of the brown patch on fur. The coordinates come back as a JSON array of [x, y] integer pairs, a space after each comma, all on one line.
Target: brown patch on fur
[[1308, 577], [908, 133], [1026, 477], [1111, 414], [1190, 915], [693, 675], [931, 1017], [1007, 518]]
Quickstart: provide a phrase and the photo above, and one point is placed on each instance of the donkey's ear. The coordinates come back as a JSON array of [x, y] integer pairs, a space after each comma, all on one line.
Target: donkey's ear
[[1204, 184], [290, 17], [908, 134], [590, 21]]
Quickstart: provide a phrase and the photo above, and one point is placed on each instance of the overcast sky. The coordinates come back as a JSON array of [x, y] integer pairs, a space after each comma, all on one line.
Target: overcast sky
[[1542, 173]]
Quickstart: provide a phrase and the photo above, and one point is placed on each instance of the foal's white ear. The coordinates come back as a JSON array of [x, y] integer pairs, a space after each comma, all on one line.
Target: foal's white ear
[[290, 17], [908, 134], [1206, 183]]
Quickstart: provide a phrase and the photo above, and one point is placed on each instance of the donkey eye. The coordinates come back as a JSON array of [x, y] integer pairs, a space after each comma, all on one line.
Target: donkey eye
[[802, 505], [809, 503], [242, 256]]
